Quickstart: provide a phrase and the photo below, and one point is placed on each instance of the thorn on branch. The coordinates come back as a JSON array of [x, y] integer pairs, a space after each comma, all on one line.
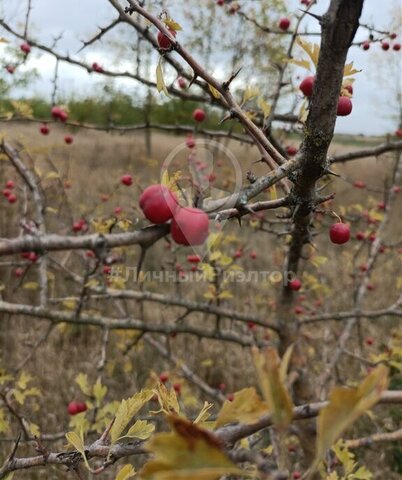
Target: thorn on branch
[[317, 17], [226, 84]]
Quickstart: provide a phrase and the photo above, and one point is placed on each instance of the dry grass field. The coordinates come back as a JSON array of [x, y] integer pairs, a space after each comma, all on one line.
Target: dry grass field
[[91, 169]]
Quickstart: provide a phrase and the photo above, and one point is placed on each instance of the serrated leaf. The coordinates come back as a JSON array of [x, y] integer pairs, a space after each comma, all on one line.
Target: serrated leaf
[[250, 93], [160, 81], [170, 23], [186, 452], [99, 391], [127, 410], [167, 399], [141, 429], [214, 91], [246, 407], [52, 175], [78, 443], [345, 406], [312, 49], [274, 392], [265, 107], [301, 63], [204, 413], [350, 70], [126, 472], [82, 381]]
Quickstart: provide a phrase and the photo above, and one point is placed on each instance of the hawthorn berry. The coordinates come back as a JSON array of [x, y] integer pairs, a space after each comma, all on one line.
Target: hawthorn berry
[[291, 150], [6, 192], [306, 86], [10, 69], [182, 83], [396, 47], [68, 139], [359, 184], [366, 45], [385, 46], [163, 40], [158, 203], [339, 233], [199, 115], [12, 198], [44, 129], [26, 48], [190, 226], [163, 377], [295, 284], [284, 23], [344, 106], [126, 180]]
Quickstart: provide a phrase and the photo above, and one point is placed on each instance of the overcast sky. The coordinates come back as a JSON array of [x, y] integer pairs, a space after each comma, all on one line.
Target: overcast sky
[[375, 105]]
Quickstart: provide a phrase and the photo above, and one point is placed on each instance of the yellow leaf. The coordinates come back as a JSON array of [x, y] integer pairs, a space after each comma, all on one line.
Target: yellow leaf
[[103, 225], [70, 304], [265, 107], [246, 407], [214, 91], [267, 364], [250, 93], [3, 40], [2, 286], [23, 380], [283, 370], [82, 381], [167, 399], [127, 410], [350, 70], [301, 63], [225, 294], [31, 286], [126, 472], [204, 413], [208, 271], [160, 82], [273, 192], [52, 210], [141, 429], [312, 49], [34, 429], [78, 443], [186, 452], [99, 391], [124, 224], [170, 23], [318, 260], [345, 406], [52, 175], [92, 283]]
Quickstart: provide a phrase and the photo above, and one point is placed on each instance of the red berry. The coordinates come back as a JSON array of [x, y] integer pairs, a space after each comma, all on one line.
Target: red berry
[[10, 69], [182, 83], [253, 255], [372, 237], [381, 206], [199, 115], [344, 106], [158, 203], [360, 236], [194, 258], [190, 226], [397, 47], [295, 284], [90, 254], [11, 198], [396, 188], [18, 272], [177, 388], [73, 408], [251, 325], [126, 180], [306, 86], [291, 150], [296, 475], [44, 129], [6, 193], [118, 210], [339, 233], [398, 132], [77, 226], [59, 114], [299, 310], [107, 269], [32, 257], [10, 184], [238, 254], [369, 341], [385, 46], [349, 88], [230, 397], [366, 45], [97, 68], [82, 407], [393, 36], [190, 142], [222, 387], [220, 2], [163, 377], [68, 139], [163, 40], [26, 48], [370, 287], [359, 184], [284, 23]]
